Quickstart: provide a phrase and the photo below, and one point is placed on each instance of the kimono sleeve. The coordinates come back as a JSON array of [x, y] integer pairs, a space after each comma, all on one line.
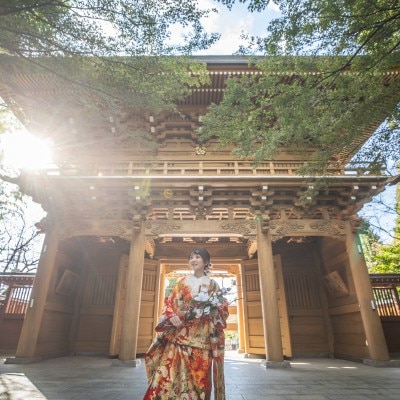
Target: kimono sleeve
[[169, 310]]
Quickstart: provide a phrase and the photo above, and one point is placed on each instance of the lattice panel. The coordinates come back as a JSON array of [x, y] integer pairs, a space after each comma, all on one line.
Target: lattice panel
[[252, 282], [149, 281], [100, 290], [302, 291]]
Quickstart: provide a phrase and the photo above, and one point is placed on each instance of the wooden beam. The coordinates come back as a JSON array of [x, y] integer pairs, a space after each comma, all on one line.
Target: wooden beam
[[201, 228]]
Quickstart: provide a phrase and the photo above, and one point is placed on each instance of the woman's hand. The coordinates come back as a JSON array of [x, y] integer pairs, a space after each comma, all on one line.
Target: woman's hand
[[176, 321]]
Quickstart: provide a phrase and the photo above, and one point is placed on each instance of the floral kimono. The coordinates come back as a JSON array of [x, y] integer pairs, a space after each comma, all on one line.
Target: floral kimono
[[183, 362]]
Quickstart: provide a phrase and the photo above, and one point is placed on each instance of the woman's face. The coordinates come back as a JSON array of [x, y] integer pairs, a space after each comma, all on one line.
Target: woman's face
[[197, 264]]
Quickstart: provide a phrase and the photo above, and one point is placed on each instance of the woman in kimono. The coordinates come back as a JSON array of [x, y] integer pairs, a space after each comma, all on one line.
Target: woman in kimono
[[188, 353]]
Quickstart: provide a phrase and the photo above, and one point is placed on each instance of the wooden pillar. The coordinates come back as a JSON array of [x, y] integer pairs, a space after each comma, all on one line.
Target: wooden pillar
[[130, 322], [269, 301], [162, 290], [371, 321], [240, 311], [33, 319], [245, 308]]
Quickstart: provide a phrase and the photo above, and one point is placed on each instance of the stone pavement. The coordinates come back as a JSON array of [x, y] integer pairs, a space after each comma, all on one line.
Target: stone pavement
[[94, 378]]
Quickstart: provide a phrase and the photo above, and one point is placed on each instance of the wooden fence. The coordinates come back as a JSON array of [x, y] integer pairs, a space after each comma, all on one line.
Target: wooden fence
[[386, 296], [16, 301], [387, 301]]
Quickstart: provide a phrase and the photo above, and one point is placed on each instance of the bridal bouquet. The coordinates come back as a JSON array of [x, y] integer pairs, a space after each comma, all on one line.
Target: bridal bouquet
[[205, 303]]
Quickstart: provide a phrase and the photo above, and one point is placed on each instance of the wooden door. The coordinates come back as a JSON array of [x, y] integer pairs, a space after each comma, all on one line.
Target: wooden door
[[253, 319], [282, 305], [148, 305], [94, 320]]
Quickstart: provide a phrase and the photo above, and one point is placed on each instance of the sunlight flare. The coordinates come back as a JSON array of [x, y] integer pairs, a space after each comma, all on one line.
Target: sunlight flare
[[24, 151]]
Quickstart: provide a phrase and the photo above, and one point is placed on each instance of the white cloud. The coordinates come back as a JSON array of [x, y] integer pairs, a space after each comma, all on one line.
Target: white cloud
[[273, 6], [231, 24], [230, 32]]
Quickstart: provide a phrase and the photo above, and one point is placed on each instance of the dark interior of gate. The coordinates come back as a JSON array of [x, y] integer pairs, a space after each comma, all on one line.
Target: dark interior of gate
[[318, 307]]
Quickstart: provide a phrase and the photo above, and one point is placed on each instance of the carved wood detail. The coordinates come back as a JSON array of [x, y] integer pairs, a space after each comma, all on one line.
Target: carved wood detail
[[91, 227], [331, 227], [244, 228], [201, 228]]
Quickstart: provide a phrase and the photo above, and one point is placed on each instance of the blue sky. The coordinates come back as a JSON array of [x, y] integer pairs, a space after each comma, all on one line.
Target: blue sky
[[232, 23], [381, 213]]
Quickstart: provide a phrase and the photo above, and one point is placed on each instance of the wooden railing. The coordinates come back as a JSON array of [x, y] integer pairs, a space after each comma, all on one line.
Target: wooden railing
[[132, 168], [217, 168]]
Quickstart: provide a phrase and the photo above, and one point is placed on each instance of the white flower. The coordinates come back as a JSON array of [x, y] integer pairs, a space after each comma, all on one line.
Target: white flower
[[204, 303], [215, 302], [198, 312], [202, 296]]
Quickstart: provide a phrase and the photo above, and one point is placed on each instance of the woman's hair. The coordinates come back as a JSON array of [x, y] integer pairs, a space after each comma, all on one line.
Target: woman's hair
[[205, 255]]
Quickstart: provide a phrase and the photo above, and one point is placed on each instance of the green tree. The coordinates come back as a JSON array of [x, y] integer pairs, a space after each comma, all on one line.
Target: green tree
[[111, 52], [307, 109], [387, 258], [369, 241], [100, 27], [118, 49], [325, 82]]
